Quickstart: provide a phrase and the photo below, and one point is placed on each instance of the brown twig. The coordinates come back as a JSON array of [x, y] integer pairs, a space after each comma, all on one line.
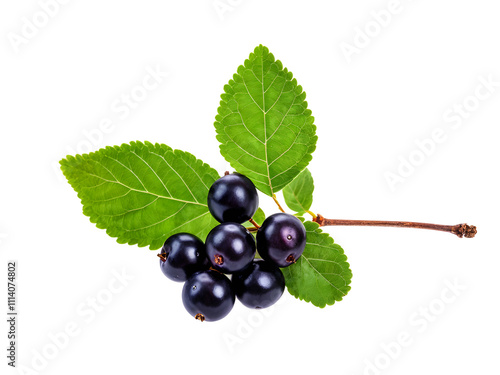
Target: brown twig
[[278, 203], [460, 230]]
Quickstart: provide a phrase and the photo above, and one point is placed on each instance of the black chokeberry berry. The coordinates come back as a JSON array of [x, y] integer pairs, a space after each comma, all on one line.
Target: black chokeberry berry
[[182, 255], [230, 247], [208, 295], [233, 198], [281, 239], [260, 285]]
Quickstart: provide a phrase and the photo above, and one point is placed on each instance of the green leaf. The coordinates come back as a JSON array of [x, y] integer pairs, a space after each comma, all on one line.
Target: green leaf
[[259, 218], [321, 275], [298, 194], [263, 124], [143, 193]]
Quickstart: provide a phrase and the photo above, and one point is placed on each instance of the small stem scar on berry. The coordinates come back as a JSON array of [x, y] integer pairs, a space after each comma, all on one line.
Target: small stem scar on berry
[[460, 230], [200, 317], [218, 259], [254, 224], [278, 203], [162, 257]]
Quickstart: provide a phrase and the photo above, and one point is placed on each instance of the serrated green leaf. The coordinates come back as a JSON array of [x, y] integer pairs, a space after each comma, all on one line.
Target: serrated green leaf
[[298, 194], [321, 275], [263, 124], [143, 193], [258, 217]]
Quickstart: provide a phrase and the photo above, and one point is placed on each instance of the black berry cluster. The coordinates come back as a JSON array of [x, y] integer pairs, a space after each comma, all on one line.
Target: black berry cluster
[[208, 294]]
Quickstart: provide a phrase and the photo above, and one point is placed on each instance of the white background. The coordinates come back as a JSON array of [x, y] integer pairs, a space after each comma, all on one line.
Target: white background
[[369, 111]]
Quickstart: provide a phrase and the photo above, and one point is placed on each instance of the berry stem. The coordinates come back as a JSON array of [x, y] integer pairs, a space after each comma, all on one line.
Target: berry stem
[[460, 230], [254, 223], [312, 214], [278, 203]]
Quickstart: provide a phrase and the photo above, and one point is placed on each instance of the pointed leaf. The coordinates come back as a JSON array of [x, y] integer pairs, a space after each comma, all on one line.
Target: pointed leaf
[[263, 124], [298, 194], [143, 193]]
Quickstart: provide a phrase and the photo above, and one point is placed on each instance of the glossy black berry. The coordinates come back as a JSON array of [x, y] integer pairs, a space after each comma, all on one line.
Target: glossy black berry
[[260, 285], [281, 239], [182, 255], [233, 198], [230, 247], [208, 295]]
